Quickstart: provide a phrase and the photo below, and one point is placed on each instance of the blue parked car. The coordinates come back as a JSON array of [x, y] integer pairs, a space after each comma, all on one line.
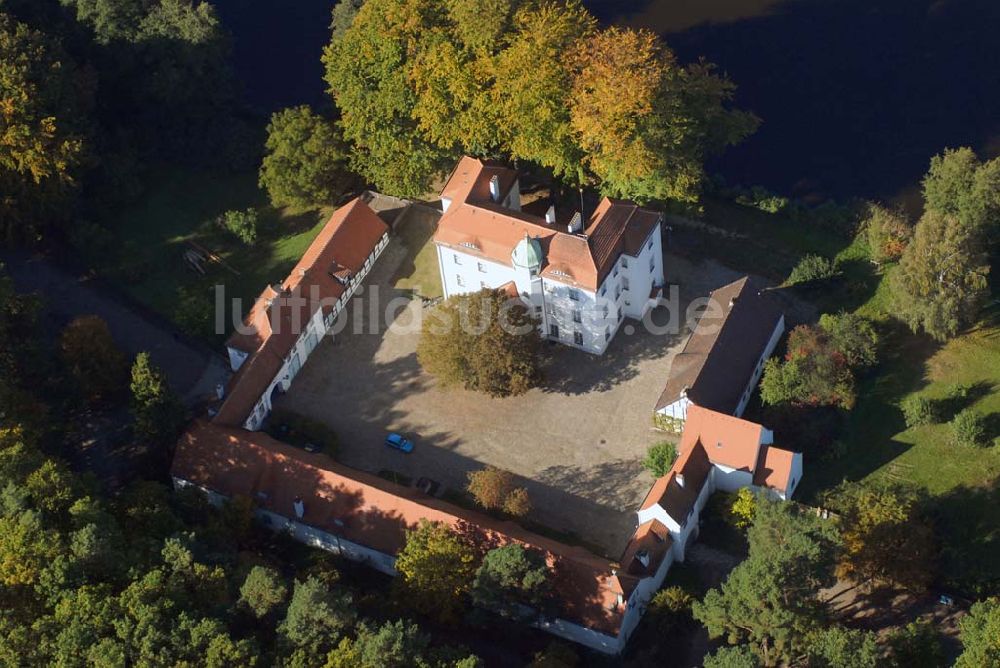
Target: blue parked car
[[398, 442]]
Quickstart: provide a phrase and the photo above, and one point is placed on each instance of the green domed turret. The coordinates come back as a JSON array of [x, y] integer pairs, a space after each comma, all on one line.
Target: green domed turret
[[527, 254]]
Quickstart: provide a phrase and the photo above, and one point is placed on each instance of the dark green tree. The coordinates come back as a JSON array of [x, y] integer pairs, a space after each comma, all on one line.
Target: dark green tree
[[510, 577], [306, 160], [771, 600], [158, 413], [263, 590], [92, 358], [317, 618]]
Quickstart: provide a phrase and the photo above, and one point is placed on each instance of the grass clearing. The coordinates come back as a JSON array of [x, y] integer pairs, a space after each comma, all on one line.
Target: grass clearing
[[180, 207], [419, 270]]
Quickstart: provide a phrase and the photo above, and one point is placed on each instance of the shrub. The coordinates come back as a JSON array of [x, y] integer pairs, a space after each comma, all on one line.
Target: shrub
[[853, 336], [659, 458], [490, 486], [887, 232], [969, 428], [811, 268], [241, 224], [918, 410], [517, 502], [743, 508]]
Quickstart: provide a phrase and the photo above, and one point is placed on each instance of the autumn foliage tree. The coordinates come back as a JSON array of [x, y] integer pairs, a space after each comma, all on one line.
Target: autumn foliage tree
[[483, 341], [493, 489], [92, 358], [887, 232], [813, 373], [435, 567], [885, 539]]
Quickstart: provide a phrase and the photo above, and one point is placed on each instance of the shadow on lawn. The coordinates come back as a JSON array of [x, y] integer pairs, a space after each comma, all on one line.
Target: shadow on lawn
[[967, 524]]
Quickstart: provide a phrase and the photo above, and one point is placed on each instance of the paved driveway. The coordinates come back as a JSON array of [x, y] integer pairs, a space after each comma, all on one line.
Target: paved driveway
[[576, 443]]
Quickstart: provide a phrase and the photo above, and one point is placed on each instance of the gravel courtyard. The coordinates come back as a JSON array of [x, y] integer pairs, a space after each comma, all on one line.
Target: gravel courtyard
[[576, 443]]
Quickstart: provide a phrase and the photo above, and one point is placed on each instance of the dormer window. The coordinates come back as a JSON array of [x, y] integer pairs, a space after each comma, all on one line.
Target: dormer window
[[495, 188]]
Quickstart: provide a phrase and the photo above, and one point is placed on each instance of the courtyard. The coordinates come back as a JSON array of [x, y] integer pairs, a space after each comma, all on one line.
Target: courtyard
[[576, 443]]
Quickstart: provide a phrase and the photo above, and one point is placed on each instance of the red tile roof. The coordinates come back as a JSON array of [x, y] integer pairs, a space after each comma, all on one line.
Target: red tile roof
[[774, 468], [281, 313], [729, 441], [650, 540], [711, 438], [475, 224], [370, 511]]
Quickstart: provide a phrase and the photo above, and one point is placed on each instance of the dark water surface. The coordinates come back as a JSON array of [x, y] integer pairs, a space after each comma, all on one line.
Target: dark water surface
[[856, 95]]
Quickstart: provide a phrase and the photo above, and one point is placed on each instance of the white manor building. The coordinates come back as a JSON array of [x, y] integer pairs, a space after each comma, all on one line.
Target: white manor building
[[579, 278]]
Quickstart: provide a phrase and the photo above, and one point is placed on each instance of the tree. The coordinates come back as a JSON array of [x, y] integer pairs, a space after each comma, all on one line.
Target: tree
[[305, 163], [853, 336], [532, 81], [739, 656], [814, 373], [941, 280], [395, 644], [317, 617], [241, 224], [659, 458], [482, 341], [771, 600], [435, 570], [263, 590], [42, 128], [510, 577], [916, 645], [980, 634], [837, 647], [644, 122], [157, 411], [887, 232], [367, 70], [958, 184], [744, 508], [885, 539], [490, 486], [92, 357]]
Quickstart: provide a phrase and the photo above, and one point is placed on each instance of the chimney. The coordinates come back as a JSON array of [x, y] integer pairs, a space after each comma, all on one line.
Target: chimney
[[732, 301], [495, 188], [576, 223], [679, 477], [550, 215], [300, 508]]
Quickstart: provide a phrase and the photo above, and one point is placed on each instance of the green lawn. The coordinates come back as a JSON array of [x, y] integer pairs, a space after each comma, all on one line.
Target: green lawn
[[419, 269], [180, 206], [963, 483]]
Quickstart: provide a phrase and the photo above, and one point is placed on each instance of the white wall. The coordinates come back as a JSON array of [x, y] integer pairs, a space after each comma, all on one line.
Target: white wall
[[730, 480], [312, 334], [779, 329], [677, 410]]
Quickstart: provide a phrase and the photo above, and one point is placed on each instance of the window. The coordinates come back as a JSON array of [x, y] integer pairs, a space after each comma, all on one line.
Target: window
[[481, 267], [607, 333], [615, 274], [604, 289], [624, 262], [574, 294], [618, 293], [578, 338], [652, 263], [459, 281], [650, 244], [458, 259], [624, 283], [554, 331], [576, 316], [482, 284], [605, 310], [619, 312]]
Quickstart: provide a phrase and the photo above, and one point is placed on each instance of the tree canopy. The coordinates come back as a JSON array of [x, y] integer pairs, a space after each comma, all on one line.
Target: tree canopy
[[435, 568], [771, 600], [305, 162], [482, 341], [510, 577], [419, 82]]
